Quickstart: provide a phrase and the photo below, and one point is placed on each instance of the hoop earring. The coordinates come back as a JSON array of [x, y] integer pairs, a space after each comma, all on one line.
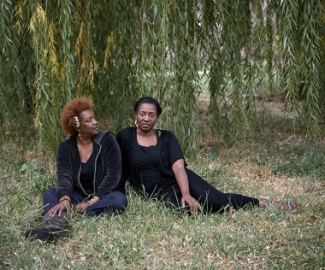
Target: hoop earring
[[136, 123]]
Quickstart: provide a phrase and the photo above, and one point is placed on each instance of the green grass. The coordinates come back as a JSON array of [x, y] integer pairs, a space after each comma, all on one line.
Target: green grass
[[275, 164]]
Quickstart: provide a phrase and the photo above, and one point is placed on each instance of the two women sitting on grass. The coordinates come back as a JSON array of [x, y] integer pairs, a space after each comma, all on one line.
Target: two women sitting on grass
[[93, 167]]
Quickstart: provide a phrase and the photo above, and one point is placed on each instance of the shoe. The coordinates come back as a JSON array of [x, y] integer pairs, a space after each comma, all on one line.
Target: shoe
[[46, 234]]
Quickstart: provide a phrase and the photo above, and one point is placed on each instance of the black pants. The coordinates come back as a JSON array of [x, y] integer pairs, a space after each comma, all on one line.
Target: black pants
[[209, 197]]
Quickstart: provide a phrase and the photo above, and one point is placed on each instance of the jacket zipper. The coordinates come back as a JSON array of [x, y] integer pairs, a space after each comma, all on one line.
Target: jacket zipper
[[95, 169]]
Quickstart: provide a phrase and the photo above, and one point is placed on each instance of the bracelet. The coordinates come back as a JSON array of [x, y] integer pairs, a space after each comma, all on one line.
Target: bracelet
[[92, 201], [65, 198]]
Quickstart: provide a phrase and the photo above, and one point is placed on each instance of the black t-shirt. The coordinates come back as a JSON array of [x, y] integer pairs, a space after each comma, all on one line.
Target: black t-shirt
[[87, 175], [146, 161]]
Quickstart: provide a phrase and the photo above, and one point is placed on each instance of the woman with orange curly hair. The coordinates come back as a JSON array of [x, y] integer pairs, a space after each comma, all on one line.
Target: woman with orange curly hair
[[88, 173]]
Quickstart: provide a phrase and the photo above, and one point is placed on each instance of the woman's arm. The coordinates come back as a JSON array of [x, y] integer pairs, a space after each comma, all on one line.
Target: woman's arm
[[64, 182], [122, 139], [113, 164], [182, 180]]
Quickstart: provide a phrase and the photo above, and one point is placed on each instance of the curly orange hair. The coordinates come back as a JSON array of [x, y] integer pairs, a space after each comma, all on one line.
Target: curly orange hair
[[72, 109]]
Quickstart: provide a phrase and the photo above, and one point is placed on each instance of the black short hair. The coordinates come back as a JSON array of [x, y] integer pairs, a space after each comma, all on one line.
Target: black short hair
[[150, 100]]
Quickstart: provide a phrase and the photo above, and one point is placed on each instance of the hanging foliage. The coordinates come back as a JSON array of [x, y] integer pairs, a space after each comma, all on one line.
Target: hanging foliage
[[117, 51], [16, 70]]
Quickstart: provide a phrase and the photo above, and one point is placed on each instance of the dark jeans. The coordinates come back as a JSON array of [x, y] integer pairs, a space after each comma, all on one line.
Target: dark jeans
[[112, 202]]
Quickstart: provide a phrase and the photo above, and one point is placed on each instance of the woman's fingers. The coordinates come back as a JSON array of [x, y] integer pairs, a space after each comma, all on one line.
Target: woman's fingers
[[78, 208], [81, 207], [58, 209], [195, 206], [55, 210]]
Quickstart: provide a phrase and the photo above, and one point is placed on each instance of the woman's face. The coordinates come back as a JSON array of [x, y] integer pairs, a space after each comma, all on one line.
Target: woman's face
[[146, 116], [88, 124]]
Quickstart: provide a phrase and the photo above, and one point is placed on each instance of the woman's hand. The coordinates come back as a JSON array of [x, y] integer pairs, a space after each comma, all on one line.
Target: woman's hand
[[59, 208], [182, 181], [81, 207], [192, 203]]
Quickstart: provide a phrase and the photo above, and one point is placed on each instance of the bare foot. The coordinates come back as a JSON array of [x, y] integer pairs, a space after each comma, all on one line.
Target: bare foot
[[285, 206]]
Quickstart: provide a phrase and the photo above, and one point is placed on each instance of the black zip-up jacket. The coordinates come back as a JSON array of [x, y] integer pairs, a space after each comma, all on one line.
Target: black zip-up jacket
[[107, 166]]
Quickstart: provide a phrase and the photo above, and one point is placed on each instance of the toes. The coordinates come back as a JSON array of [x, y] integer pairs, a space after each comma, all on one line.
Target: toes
[[289, 205]]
